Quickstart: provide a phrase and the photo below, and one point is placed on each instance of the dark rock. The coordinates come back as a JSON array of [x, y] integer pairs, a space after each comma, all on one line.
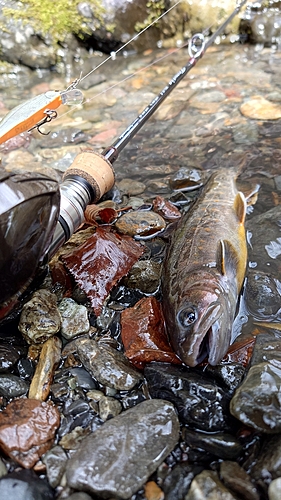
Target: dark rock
[[12, 386], [8, 357], [177, 482], [268, 464], [228, 375], [24, 485], [76, 407], [118, 457], [25, 368], [222, 445], [122, 297], [267, 348], [263, 233], [131, 398], [201, 403], [237, 480], [262, 295], [83, 378]]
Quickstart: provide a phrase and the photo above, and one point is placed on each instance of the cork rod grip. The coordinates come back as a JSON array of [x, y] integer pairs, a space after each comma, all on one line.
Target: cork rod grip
[[95, 169]]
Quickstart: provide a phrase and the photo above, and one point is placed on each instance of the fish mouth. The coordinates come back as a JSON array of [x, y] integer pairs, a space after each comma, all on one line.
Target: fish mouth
[[209, 339]]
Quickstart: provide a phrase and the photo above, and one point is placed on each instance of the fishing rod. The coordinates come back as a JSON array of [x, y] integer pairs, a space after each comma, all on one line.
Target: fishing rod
[[91, 174], [38, 217]]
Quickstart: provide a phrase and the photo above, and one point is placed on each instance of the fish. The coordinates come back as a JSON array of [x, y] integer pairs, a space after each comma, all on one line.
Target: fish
[[204, 270]]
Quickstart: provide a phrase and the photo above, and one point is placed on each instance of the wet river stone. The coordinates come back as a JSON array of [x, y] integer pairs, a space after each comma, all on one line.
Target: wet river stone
[[223, 445], [74, 318], [109, 408], [131, 187], [55, 461], [259, 108], [257, 401], [40, 317], [144, 275], [24, 485], [12, 386], [107, 366], [268, 463], [274, 490], [207, 486], [118, 458], [49, 359], [238, 481], [176, 483], [140, 223], [8, 357], [201, 403]]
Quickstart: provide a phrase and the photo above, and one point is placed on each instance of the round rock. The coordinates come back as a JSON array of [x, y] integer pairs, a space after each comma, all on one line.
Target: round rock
[[140, 223], [40, 317], [118, 458]]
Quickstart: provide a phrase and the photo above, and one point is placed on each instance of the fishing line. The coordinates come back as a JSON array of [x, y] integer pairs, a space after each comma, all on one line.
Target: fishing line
[[112, 57], [186, 44], [113, 54]]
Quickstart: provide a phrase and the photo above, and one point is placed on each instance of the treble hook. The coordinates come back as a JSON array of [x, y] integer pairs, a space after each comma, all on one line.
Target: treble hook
[[50, 115]]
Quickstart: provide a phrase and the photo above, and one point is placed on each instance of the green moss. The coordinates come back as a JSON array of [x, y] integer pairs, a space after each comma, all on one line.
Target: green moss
[[155, 9], [56, 18]]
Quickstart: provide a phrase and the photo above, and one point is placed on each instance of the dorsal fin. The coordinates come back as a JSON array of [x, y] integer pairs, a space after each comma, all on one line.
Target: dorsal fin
[[227, 258], [240, 206]]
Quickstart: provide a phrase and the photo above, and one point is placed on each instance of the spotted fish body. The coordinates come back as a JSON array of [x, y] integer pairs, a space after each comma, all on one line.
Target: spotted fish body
[[204, 271]]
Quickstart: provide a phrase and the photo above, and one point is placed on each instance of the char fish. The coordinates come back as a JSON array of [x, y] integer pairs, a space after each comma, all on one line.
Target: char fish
[[204, 271]]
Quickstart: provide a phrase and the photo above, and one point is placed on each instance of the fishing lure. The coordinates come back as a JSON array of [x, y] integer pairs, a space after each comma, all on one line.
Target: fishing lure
[[34, 112]]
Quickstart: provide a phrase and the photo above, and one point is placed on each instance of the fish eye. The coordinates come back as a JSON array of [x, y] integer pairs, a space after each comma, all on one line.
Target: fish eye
[[187, 316]]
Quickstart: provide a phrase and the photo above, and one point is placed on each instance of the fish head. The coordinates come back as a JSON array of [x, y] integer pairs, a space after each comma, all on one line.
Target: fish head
[[203, 323]]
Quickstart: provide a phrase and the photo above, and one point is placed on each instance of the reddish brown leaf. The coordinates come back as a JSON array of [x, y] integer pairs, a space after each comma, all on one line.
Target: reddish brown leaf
[[27, 430], [166, 209], [240, 351], [143, 334], [99, 263]]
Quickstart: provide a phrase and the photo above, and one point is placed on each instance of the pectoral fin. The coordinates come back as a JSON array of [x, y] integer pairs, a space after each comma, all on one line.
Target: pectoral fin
[[240, 207], [227, 259]]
